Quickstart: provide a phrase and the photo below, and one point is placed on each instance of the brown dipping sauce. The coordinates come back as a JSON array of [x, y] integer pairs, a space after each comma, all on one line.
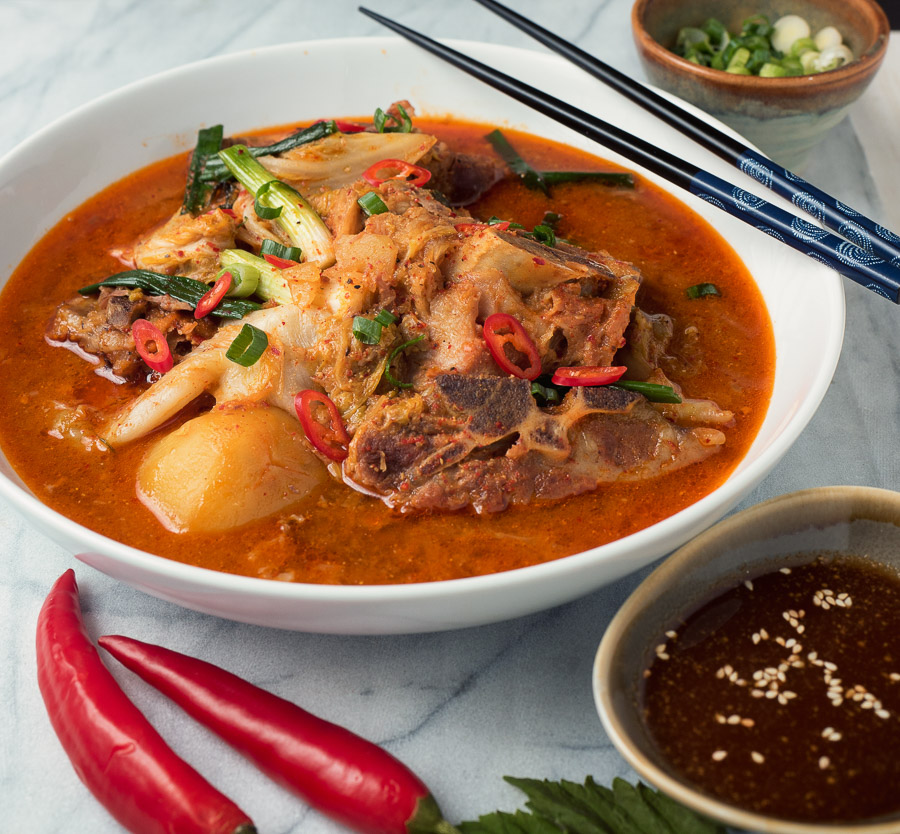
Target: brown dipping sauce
[[782, 696]]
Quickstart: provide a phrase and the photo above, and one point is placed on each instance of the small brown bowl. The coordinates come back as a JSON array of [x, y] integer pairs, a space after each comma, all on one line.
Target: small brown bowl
[[862, 521], [784, 117]]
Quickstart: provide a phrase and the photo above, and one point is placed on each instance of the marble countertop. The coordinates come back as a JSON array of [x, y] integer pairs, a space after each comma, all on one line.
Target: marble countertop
[[461, 708]]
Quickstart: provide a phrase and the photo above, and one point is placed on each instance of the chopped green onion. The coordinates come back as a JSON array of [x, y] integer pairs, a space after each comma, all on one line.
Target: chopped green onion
[[653, 392], [623, 180], [215, 170], [403, 124], [181, 288], [701, 290], [532, 179], [544, 234], [271, 283], [366, 331], [196, 192], [244, 280], [296, 217], [548, 393], [394, 353], [279, 250], [248, 346], [371, 204], [260, 203], [551, 219], [386, 317]]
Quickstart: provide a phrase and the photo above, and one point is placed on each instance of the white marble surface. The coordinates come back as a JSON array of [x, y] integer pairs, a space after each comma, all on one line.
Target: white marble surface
[[462, 708]]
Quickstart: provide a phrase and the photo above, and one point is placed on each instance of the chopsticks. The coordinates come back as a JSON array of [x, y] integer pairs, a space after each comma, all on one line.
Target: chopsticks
[[846, 257], [863, 231]]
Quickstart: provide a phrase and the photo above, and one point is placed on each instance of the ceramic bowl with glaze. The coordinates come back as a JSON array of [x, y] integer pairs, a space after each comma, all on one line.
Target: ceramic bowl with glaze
[[160, 116], [785, 117], [782, 532]]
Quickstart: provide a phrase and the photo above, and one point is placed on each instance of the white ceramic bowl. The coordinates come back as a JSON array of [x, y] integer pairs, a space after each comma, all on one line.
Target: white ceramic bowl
[[160, 116]]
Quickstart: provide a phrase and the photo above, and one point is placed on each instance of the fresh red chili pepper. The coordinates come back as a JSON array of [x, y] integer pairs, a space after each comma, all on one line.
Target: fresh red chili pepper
[[279, 263], [115, 751], [343, 775], [511, 346], [344, 127], [397, 169], [330, 439], [151, 345], [471, 228], [210, 300], [230, 212], [588, 375]]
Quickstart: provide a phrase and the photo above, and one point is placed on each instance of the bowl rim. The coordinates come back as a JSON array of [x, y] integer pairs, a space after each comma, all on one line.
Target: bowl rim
[[793, 86], [675, 566], [81, 538]]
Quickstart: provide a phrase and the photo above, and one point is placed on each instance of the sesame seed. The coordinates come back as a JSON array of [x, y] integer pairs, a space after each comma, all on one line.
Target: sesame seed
[[831, 667], [756, 638], [720, 719], [660, 648], [719, 755], [801, 628], [827, 732], [662, 655], [824, 761], [747, 722], [749, 584], [671, 634], [757, 693], [894, 676], [764, 634], [784, 570], [882, 713], [759, 758], [772, 693], [734, 719]]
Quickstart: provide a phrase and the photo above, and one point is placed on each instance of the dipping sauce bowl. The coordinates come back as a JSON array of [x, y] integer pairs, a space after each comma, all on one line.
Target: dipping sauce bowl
[[778, 535]]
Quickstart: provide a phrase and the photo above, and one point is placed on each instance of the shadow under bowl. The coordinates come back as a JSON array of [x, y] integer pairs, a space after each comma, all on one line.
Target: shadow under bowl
[[784, 117], [782, 532]]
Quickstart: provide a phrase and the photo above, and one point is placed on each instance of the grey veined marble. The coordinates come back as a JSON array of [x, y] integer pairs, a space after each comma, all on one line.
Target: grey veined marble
[[462, 708]]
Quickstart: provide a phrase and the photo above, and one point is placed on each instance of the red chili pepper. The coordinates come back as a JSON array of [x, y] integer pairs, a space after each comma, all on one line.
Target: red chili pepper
[[279, 263], [471, 228], [151, 345], [330, 439], [211, 300], [344, 127], [230, 212], [343, 775], [397, 170], [115, 751], [511, 346], [588, 375]]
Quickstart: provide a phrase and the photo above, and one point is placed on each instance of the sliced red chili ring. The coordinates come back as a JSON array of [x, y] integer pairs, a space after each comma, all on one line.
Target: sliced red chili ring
[[511, 346], [343, 127], [211, 299], [397, 170], [280, 263], [152, 346], [330, 439], [588, 375]]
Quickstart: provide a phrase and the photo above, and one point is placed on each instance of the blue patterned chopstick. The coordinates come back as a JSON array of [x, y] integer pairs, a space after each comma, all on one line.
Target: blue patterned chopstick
[[850, 260], [868, 235]]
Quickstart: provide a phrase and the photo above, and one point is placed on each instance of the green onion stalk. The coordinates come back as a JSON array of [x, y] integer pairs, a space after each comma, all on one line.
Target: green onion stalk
[[277, 201]]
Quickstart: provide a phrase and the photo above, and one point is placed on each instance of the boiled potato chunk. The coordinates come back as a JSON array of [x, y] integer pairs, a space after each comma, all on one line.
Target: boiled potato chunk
[[227, 467]]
